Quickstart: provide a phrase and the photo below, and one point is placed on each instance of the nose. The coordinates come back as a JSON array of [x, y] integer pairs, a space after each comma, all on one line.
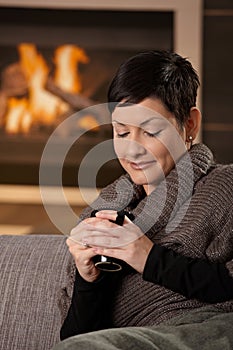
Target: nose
[[134, 149]]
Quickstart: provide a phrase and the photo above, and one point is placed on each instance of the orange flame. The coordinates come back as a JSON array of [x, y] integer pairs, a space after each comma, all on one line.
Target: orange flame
[[41, 106], [67, 57], [18, 117]]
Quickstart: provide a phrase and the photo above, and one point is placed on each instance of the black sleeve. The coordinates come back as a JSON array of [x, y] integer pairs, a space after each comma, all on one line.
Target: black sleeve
[[90, 307], [194, 278]]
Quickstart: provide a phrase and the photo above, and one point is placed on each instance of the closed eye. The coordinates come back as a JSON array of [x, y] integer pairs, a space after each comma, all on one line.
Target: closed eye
[[125, 134], [154, 134]]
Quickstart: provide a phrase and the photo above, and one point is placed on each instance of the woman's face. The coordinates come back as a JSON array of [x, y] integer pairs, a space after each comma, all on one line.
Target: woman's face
[[147, 141]]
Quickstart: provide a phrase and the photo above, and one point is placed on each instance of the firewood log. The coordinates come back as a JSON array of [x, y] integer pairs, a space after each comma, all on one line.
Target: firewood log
[[3, 107], [76, 101], [14, 83]]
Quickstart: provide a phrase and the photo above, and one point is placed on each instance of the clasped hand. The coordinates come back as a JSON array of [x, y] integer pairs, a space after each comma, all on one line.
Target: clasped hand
[[100, 236]]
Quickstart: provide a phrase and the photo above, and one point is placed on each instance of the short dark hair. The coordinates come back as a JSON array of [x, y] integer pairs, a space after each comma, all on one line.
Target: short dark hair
[[161, 74]]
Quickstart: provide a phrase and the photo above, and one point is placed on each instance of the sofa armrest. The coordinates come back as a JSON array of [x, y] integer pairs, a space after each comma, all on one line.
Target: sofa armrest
[[37, 273]]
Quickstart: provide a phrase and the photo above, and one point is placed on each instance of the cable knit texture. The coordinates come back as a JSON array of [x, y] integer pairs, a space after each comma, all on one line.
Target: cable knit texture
[[191, 211]]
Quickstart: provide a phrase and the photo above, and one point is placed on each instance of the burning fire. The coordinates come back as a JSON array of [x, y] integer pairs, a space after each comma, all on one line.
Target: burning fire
[[66, 75], [18, 117], [41, 106]]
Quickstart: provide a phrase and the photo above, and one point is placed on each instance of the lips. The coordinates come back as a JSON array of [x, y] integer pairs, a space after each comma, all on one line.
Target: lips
[[140, 165]]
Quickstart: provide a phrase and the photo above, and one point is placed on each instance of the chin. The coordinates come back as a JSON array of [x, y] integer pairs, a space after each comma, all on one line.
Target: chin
[[139, 179]]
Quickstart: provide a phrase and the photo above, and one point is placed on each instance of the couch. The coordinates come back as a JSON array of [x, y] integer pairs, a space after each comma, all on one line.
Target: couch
[[37, 274]]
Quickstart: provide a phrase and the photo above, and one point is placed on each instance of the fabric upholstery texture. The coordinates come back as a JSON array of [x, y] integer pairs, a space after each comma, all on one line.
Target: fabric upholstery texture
[[202, 329], [36, 286]]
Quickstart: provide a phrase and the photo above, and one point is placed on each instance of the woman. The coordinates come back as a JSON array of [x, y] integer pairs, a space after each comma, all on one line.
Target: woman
[[177, 251]]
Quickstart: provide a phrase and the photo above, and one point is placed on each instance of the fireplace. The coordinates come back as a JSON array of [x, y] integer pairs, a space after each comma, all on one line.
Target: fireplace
[[107, 32], [59, 62]]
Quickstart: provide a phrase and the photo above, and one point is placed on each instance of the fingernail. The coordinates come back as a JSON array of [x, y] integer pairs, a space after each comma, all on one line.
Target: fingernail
[[98, 213]]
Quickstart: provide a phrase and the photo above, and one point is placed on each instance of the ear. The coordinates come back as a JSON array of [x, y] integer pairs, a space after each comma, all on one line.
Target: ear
[[193, 123]]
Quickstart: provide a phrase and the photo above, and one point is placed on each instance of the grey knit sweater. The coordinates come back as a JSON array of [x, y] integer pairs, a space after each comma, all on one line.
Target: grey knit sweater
[[191, 211]]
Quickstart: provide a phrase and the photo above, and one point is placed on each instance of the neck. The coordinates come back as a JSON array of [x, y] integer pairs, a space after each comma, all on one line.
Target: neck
[[149, 189]]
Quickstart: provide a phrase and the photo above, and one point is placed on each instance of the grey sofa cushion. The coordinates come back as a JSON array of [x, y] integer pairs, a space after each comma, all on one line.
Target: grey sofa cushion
[[36, 273]]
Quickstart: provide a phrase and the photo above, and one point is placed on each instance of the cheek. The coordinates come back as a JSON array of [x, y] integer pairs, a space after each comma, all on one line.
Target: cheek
[[155, 148], [166, 161], [160, 154], [173, 143], [124, 164], [169, 147], [119, 147]]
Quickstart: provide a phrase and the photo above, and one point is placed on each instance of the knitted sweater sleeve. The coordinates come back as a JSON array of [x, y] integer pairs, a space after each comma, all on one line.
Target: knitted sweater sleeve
[[198, 259]]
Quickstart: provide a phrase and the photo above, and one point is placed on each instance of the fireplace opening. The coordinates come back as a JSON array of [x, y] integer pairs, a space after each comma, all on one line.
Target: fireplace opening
[[54, 63]]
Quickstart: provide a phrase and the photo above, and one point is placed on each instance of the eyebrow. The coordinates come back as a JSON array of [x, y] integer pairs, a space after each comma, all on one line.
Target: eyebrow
[[141, 124]]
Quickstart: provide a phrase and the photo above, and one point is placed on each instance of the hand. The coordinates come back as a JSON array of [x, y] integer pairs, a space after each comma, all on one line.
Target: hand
[[82, 255], [127, 242]]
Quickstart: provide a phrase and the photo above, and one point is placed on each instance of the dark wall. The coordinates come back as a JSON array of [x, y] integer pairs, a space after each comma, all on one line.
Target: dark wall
[[217, 82]]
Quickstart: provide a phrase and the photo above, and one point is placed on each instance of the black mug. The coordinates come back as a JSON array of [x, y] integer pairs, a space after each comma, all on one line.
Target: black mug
[[105, 263]]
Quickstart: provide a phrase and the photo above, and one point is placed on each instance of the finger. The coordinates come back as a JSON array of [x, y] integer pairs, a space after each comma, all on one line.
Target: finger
[[79, 232], [88, 236], [102, 240], [107, 211], [77, 228], [112, 215], [71, 241], [107, 214], [99, 224], [82, 224], [117, 253], [81, 252]]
